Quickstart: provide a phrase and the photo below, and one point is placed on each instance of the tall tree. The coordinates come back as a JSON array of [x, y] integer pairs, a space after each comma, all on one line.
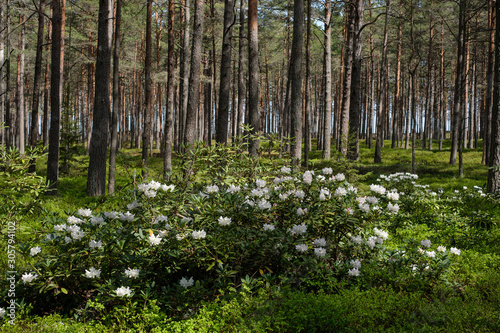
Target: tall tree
[[355, 104], [194, 75], [116, 99], [148, 93], [327, 81], [2, 70], [296, 80], [225, 73], [37, 79], [96, 180], [20, 126], [494, 163], [56, 89], [184, 66], [253, 74], [308, 91], [241, 70], [169, 112]]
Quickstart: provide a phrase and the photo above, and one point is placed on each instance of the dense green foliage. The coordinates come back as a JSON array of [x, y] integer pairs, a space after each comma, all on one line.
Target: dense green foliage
[[239, 249]]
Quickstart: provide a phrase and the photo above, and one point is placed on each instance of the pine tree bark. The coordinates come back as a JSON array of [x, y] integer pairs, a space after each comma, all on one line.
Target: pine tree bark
[[148, 93], [20, 123], [184, 67], [194, 76], [116, 99], [56, 89], [296, 81], [253, 75], [169, 115], [225, 73], [327, 79], [96, 180], [241, 69]]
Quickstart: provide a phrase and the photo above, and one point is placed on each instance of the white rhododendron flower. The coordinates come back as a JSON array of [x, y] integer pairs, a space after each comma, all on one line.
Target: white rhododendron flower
[[60, 227], [150, 193], [212, 189], [285, 170], [299, 194], [426, 243], [95, 245], [301, 247], [320, 252], [186, 283], [35, 250], [353, 272], [133, 205], [357, 239], [430, 254], [364, 207], [123, 292], [77, 234], [92, 273], [264, 204], [441, 248], [74, 220], [111, 215], [2, 312], [377, 189], [340, 177], [320, 242], [371, 242], [260, 183], [132, 273], [307, 177], [28, 277], [96, 220], [324, 194], [224, 221], [327, 171], [298, 229], [160, 218], [166, 188], [381, 233], [301, 212], [154, 240], [180, 237], [393, 196], [128, 216], [68, 240], [187, 219], [340, 192], [456, 251], [268, 227], [393, 208], [199, 234], [356, 264], [84, 212], [372, 200], [234, 189]]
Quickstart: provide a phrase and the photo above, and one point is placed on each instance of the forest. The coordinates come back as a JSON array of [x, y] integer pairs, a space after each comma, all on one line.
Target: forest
[[261, 166], [162, 75]]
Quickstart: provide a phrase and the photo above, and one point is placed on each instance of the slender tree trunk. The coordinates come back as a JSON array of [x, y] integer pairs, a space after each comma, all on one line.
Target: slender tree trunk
[[36, 82], [308, 92], [96, 180], [56, 89], [8, 124], [20, 88], [488, 110], [148, 93], [225, 73], [184, 67], [253, 75], [347, 79], [2, 70], [327, 79], [397, 109], [194, 76], [494, 162], [241, 69], [355, 103], [116, 99]]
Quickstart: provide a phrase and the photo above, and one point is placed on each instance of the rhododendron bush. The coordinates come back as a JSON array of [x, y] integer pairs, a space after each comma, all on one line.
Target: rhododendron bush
[[178, 245]]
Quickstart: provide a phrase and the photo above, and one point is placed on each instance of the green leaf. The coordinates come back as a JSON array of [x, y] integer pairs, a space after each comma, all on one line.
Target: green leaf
[[64, 291]]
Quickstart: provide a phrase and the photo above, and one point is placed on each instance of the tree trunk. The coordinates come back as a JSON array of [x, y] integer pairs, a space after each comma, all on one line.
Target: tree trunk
[[241, 70], [184, 67], [169, 115], [296, 81], [327, 79], [347, 79], [20, 87], [116, 100], [194, 76], [355, 103], [487, 119], [308, 92], [253, 75], [225, 73], [56, 89], [148, 94], [96, 181]]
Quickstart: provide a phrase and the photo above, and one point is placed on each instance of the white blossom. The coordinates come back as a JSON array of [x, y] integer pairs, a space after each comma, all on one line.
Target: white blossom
[[128, 216], [35, 250], [301, 247], [356, 264], [97, 220], [92, 273], [285, 170], [198, 234], [426, 243], [340, 177], [353, 272], [307, 177], [234, 189], [340, 192], [187, 219], [95, 245], [371, 242], [377, 189], [430, 254], [224, 221], [150, 193], [132, 273], [268, 227], [372, 200], [381, 233], [123, 292], [166, 188], [320, 242], [74, 220], [212, 189], [186, 283], [264, 204], [28, 277], [2, 312], [298, 229], [327, 171], [60, 227], [441, 248], [299, 194], [77, 234], [133, 205], [111, 215], [160, 218], [84, 212], [260, 183], [393, 196], [301, 212], [364, 207], [456, 251], [357, 239], [393, 208], [320, 252], [154, 240]]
